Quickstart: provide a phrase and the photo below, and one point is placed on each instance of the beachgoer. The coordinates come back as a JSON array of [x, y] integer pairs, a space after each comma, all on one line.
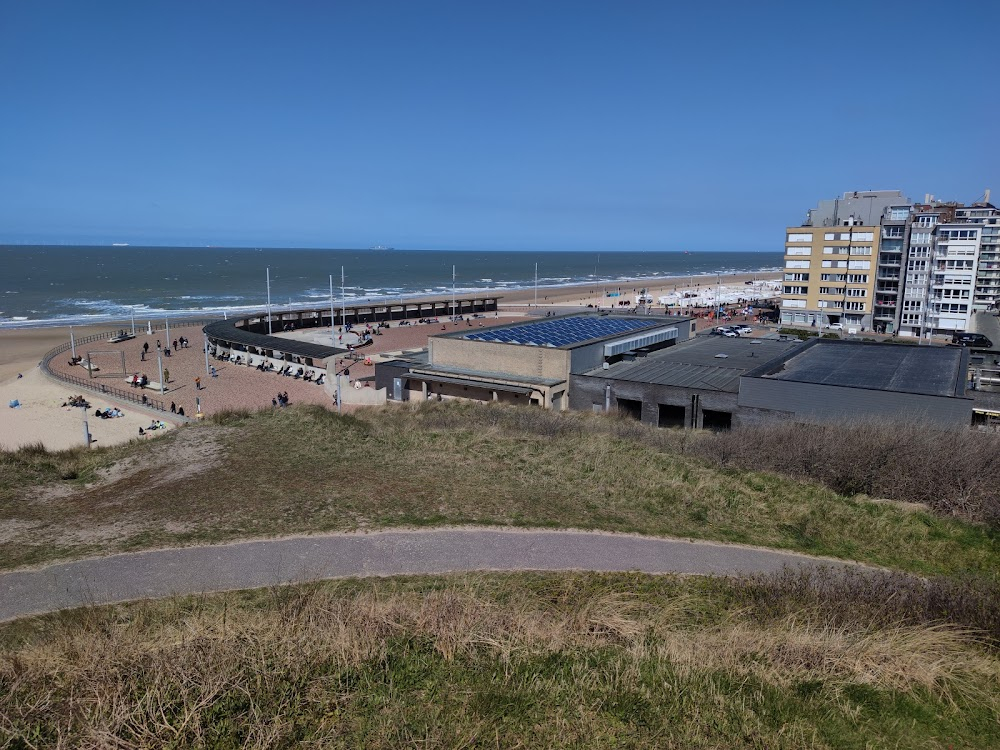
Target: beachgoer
[[197, 383], [159, 346], [142, 355], [145, 347], [175, 345], [166, 375], [215, 375], [173, 408], [180, 411]]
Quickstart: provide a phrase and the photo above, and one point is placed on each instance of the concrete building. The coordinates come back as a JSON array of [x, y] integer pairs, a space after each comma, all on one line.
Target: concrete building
[[528, 362], [863, 206], [694, 384], [938, 264], [827, 381]]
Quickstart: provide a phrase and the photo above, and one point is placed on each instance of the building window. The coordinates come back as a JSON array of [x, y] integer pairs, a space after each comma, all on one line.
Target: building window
[[798, 251], [795, 290], [834, 264], [857, 278], [793, 303], [861, 237], [862, 250], [926, 221], [796, 264], [859, 306], [800, 237], [796, 277], [857, 292], [860, 265]]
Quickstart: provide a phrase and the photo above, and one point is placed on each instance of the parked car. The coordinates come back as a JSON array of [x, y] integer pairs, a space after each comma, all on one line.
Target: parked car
[[836, 326], [977, 340], [743, 330]]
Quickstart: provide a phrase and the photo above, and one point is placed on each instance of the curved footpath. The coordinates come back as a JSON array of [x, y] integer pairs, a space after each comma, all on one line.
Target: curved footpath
[[252, 564]]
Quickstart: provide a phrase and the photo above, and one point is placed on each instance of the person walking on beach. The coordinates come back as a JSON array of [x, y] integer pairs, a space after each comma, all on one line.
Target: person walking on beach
[[159, 347], [175, 345], [166, 375], [197, 383], [173, 407], [213, 373], [142, 355], [145, 347]]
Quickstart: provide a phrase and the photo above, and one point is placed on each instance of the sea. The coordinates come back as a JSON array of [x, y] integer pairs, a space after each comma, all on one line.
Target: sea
[[66, 285]]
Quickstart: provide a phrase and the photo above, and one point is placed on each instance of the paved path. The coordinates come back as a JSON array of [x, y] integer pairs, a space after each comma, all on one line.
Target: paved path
[[241, 565]]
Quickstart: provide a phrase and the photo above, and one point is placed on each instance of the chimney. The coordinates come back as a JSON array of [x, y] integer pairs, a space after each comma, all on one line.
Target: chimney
[[987, 198], [927, 197]]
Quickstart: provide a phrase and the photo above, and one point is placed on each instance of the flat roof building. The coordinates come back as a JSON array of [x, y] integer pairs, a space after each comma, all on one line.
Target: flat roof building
[[527, 362], [694, 384], [827, 381]]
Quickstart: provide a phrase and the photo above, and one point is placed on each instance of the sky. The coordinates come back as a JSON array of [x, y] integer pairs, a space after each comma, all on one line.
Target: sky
[[592, 126]]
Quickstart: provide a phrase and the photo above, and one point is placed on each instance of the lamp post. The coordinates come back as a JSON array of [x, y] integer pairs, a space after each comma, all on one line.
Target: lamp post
[[269, 300]]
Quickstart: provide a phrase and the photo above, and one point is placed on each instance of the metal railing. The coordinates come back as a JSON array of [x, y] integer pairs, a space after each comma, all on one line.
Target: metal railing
[[137, 396]]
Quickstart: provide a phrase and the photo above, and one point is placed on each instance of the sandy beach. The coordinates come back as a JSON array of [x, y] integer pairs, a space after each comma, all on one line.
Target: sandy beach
[[702, 291]]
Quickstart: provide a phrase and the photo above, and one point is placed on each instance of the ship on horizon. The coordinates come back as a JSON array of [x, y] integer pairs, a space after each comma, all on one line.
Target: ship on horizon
[[119, 244], [381, 247]]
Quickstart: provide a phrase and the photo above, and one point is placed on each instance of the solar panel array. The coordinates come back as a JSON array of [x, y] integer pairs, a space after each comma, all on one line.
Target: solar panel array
[[562, 331]]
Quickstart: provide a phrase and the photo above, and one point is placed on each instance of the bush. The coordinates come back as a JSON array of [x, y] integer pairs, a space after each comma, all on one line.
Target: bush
[[902, 462]]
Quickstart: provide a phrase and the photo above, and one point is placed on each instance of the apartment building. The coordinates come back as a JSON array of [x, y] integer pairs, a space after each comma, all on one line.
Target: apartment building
[[938, 263], [915, 269]]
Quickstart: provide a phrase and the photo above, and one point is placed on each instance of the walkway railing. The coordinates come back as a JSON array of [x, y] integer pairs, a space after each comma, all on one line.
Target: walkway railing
[[132, 395]]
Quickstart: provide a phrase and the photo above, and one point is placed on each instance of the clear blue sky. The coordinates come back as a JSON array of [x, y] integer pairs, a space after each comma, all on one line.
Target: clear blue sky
[[477, 125]]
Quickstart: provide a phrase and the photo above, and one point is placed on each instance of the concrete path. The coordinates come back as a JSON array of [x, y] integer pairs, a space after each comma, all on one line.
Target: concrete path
[[242, 565]]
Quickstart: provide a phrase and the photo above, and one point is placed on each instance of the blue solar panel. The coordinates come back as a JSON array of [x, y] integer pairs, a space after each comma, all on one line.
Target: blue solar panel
[[563, 331]]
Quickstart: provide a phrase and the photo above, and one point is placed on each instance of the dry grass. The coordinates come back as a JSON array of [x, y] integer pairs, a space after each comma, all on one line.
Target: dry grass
[[529, 660], [305, 469]]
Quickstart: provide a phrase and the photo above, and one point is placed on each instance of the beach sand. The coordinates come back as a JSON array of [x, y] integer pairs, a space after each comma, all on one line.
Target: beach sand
[[41, 417], [732, 287]]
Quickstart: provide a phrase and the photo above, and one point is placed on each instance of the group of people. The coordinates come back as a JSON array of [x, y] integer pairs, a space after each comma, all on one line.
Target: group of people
[[280, 400], [154, 425], [174, 409], [79, 401], [139, 381], [109, 413], [178, 343]]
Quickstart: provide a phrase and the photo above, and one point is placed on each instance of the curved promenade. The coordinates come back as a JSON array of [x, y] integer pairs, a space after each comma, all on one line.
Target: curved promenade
[[251, 564]]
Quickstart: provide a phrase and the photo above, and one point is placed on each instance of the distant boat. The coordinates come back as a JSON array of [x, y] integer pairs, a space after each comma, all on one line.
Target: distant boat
[[381, 247], [119, 244]]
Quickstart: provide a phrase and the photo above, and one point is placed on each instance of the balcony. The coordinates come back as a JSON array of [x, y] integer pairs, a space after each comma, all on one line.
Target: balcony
[[887, 290]]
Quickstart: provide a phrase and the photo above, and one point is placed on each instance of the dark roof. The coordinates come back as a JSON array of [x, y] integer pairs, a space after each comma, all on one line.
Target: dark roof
[[927, 370], [226, 330], [567, 331], [697, 364]]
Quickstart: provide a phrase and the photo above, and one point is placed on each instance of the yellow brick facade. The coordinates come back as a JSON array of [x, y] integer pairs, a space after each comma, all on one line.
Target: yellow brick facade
[[829, 276]]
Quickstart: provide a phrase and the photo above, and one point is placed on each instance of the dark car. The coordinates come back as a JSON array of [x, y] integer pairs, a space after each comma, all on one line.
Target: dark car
[[977, 340]]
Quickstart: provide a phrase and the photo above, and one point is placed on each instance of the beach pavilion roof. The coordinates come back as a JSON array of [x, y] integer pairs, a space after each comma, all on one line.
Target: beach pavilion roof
[[226, 331]]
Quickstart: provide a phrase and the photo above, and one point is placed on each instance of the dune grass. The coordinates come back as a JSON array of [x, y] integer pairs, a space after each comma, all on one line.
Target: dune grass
[[527, 660], [304, 470]]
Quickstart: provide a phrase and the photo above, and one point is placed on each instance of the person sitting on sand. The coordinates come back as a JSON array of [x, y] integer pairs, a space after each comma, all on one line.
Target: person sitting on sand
[[180, 411]]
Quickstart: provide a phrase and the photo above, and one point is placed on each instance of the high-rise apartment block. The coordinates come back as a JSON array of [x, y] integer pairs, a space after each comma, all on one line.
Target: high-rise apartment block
[[874, 260]]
